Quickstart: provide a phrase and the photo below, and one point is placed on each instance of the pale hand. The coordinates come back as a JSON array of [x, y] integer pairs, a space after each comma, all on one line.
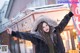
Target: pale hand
[[9, 30]]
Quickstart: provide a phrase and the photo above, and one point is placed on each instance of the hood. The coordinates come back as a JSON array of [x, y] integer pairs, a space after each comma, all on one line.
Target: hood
[[41, 19]]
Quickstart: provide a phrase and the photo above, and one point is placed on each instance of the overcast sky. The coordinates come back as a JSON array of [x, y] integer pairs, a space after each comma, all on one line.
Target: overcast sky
[[2, 2]]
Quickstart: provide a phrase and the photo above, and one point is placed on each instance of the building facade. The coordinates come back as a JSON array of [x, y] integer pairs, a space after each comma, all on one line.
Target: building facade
[[21, 18], [2, 15]]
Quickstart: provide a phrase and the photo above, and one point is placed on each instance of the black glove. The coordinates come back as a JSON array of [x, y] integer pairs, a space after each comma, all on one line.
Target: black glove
[[70, 14]]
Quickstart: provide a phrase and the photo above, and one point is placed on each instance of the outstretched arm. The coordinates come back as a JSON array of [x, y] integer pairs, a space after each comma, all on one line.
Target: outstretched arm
[[23, 35], [64, 22]]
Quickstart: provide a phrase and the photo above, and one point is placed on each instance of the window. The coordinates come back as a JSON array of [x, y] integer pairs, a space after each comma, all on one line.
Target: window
[[36, 3]]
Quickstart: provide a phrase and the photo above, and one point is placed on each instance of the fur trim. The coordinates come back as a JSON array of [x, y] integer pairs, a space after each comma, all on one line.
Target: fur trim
[[41, 19]]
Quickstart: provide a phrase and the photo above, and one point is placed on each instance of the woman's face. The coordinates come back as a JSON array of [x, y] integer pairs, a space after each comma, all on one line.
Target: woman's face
[[46, 27]]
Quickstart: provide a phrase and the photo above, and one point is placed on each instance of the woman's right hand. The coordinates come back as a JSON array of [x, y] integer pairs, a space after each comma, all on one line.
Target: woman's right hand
[[9, 30]]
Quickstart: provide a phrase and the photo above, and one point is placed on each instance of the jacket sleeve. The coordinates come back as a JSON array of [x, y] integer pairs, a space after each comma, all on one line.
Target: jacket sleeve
[[25, 36], [64, 22]]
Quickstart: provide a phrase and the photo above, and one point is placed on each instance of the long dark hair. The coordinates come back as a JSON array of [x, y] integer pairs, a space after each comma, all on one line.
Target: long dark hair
[[41, 31]]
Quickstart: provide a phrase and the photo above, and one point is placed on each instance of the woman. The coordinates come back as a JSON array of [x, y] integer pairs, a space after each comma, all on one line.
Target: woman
[[45, 34]]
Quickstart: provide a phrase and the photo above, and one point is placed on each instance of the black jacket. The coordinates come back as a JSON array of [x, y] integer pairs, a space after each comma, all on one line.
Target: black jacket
[[40, 45]]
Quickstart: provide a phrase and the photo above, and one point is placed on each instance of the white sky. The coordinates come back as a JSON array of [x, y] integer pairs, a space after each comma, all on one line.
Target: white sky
[[2, 2]]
